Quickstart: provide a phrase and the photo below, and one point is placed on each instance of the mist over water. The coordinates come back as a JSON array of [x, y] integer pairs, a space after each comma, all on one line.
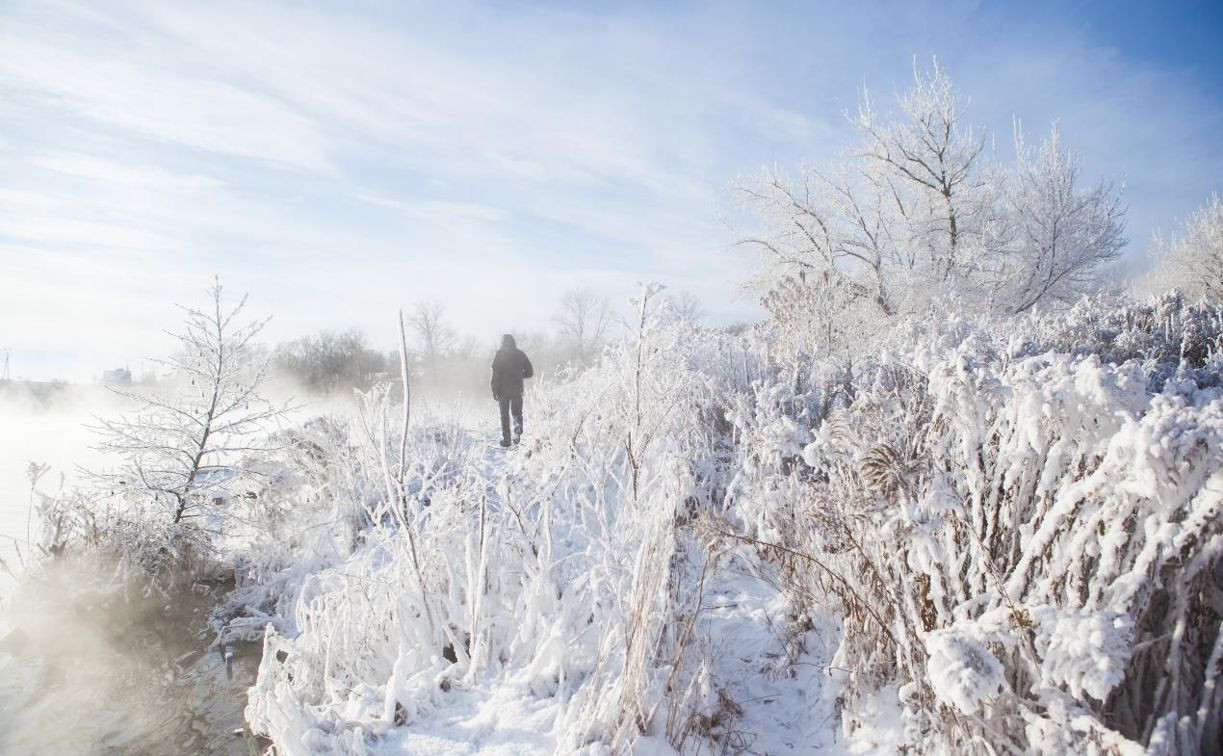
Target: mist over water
[[91, 667], [50, 426], [88, 664], [43, 424]]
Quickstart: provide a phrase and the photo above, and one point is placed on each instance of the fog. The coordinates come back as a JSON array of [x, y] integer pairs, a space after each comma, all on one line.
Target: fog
[[85, 666], [43, 424], [88, 667], [48, 424]]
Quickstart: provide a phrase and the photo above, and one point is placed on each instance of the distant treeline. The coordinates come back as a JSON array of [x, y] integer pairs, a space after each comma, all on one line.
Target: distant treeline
[[39, 392], [440, 360]]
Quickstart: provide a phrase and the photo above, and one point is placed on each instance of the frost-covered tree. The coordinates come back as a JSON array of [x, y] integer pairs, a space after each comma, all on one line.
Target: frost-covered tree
[[583, 319], [181, 451], [932, 162], [687, 306], [327, 361], [1192, 260], [828, 228], [1060, 234], [910, 214], [917, 212], [434, 335]]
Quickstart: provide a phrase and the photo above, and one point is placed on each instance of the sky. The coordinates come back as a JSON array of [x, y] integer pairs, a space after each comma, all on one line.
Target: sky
[[341, 161]]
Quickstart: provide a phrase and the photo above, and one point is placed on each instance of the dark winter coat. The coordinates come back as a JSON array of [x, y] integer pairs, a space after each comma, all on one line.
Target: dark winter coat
[[510, 367]]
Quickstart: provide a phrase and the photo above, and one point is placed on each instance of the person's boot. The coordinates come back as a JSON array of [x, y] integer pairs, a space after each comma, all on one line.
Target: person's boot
[[505, 443]]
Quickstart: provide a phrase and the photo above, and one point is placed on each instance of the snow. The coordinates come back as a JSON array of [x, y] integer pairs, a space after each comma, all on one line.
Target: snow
[[767, 689], [962, 671], [506, 719], [706, 543], [1085, 651], [775, 672], [874, 723]]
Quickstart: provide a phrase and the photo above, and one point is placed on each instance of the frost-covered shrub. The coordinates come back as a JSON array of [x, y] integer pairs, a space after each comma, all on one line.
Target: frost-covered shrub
[[1167, 334], [307, 516], [1022, 526], [572, 570], [1016, 521], [374, 582], [1086, 651], [962, 671]]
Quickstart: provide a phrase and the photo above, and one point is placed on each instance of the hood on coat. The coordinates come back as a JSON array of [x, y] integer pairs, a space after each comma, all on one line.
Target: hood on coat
[[507, 342]]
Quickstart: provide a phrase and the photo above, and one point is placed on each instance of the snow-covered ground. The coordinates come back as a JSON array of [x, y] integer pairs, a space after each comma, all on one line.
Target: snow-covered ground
[[770, 688], [984, 535], [778, 685], [775, 691]]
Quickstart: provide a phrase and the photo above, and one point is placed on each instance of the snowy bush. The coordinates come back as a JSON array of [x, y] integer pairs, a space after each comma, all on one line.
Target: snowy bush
[[1087, 652], [962, 672], [573, 571], [1017, 523], [1055, 480]]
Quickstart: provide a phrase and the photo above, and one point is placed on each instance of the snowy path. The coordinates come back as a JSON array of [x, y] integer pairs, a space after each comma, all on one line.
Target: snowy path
[[503, 720], [774, 676], [781, 704]]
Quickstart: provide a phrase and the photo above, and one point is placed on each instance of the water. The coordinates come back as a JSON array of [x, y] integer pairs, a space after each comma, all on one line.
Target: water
[[86, 668]]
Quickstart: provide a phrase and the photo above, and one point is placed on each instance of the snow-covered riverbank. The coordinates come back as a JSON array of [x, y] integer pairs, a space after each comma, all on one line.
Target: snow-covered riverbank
[[983, 533], [976, 533]]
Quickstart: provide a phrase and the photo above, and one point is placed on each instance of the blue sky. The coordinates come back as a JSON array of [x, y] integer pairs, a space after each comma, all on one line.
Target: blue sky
[[340, 161]]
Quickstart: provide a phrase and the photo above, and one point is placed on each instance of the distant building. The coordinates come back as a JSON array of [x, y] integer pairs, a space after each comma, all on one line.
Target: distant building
[[120, 376]]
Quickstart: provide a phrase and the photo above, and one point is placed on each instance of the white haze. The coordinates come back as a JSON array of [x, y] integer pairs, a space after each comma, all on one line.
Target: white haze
[[51, 431], [54, 430], [86, 667]]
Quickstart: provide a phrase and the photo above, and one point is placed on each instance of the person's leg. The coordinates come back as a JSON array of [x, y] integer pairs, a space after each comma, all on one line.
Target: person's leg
[[504, 404], [516, 406]]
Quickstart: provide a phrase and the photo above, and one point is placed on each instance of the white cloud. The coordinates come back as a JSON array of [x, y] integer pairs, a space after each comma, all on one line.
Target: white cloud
[[437, 210], [114, 172], [341, 162], [162, 105]]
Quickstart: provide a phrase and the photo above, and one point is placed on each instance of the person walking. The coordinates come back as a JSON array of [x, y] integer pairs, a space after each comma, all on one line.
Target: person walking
[[510, 367]]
